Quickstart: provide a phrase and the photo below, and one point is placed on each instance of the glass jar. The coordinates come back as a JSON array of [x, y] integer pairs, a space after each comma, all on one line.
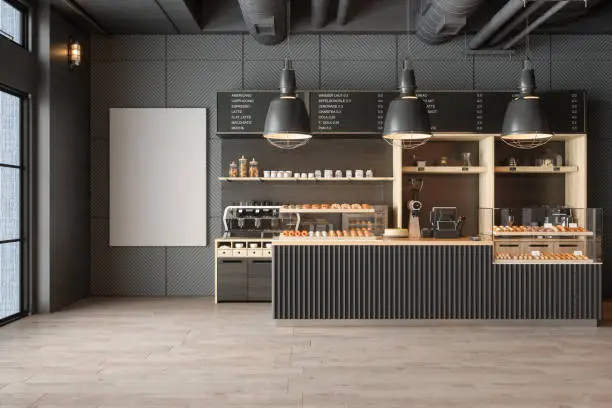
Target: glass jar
[[253, 168], [244, 167], [233, 169]]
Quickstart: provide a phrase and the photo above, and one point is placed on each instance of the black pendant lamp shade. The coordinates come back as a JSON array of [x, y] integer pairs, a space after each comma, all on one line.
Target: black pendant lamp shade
[[407, 121], [525, 124], [287, 123]]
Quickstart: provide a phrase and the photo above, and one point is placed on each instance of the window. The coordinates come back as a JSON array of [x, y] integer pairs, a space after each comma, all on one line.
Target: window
[[11, 205], [12, 21]]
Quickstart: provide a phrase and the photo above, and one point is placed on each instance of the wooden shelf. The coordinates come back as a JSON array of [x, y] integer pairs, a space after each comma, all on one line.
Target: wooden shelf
[[325, 211], [444, 169], [537, 169], [303, 180], [548, 234]]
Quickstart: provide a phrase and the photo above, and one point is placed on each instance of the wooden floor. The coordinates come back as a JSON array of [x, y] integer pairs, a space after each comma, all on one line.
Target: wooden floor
[[191, 353]]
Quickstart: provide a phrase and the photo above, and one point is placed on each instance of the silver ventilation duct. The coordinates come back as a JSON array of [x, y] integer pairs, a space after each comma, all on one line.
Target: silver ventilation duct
[[443, 19], [265, 19], [320, 10]]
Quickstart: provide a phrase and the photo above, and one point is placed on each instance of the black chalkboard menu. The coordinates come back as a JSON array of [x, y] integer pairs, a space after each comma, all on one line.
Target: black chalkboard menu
[[243, 112], [363, 112], [352, 112]]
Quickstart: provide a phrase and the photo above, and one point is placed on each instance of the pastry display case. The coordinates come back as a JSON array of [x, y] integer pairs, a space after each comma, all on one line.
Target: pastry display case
[[546, 234]]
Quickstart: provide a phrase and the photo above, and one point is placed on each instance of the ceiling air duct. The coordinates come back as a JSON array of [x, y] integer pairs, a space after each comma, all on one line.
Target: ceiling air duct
[[441, 20], [265, 19]]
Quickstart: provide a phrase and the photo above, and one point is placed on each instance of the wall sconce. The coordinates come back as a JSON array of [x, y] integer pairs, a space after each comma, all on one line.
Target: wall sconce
[[74, 54]]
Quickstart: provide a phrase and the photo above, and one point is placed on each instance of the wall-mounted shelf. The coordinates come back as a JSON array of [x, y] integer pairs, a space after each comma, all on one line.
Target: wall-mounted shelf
[[325, 211], [536, 169], [444, 169], [302, 180], [543, 233]]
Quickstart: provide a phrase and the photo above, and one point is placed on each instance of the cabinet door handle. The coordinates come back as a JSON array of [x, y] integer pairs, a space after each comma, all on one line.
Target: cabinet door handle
[[231, 261]]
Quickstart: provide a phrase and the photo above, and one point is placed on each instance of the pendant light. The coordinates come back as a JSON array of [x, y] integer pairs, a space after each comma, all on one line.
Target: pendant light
[[287, 122], [525, 124], [407, 122]]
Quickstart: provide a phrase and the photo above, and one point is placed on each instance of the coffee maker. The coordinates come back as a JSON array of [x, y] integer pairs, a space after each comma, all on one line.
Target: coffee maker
[[414, 208]]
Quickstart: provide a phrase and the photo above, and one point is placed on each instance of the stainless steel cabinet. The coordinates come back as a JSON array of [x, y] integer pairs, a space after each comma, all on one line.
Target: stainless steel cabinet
[[259, 280], [242, 280], [231, 280]]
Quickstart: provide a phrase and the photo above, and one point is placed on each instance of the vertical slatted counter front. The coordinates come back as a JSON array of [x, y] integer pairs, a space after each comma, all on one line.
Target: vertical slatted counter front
[[427, 280]]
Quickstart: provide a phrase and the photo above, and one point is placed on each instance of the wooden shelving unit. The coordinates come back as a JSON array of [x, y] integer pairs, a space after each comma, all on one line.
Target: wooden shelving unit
[[444, 170], [536, 169], [306, 180]]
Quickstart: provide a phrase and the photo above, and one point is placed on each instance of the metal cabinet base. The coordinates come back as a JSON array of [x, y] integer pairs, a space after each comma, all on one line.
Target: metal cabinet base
[[428, 282], [244, 280]]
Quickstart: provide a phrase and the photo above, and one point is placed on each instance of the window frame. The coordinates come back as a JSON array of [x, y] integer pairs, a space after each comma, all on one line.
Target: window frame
[[25, 210], [24, 9]]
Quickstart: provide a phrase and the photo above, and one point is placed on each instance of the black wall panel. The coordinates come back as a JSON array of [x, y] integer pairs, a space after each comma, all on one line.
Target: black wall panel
[[187, 71]]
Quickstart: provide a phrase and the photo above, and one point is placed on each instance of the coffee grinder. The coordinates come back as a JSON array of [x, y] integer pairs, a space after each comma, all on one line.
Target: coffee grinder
[[414, 208]]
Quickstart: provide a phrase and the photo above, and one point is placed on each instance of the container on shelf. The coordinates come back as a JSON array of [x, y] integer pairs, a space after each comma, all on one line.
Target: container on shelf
[[243, 166], [233, 169], [253, 168]]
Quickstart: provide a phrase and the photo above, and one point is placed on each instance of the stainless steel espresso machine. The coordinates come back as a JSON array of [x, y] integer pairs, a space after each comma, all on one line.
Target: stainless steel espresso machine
[[255, 219]]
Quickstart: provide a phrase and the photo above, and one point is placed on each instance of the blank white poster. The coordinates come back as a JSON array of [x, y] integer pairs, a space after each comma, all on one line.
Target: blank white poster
[[158, 177]]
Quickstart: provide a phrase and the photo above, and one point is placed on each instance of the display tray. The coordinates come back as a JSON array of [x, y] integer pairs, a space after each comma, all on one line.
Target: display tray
[[305, 180], [541, 261], [542, 233], [326, 211], [328, 239]]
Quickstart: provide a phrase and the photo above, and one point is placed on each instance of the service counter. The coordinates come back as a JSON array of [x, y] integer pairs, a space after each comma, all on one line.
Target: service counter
[[426, 279]]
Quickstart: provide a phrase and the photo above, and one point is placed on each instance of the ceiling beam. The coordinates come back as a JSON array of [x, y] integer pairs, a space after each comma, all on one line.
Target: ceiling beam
[[185, 15], [77, 14]]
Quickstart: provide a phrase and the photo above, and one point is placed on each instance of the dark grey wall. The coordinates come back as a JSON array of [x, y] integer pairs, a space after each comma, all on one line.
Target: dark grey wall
[[187, 71], [69, 161]]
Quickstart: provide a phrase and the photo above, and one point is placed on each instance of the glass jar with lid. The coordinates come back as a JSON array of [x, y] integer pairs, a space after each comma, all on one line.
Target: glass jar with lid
[[233, 169], [244, 167], [253, 168]]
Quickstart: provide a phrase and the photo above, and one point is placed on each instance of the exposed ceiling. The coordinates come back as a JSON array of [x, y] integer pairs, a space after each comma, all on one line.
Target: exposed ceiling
[[365, 16]]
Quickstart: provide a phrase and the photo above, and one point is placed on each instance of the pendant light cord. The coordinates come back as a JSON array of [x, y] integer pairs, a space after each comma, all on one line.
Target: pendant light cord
[[289, 30]]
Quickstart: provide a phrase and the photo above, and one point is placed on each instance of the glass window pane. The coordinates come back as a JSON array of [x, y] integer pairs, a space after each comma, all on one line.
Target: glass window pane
[[9, 203], [11, 21], [10, 128], [10, 279]]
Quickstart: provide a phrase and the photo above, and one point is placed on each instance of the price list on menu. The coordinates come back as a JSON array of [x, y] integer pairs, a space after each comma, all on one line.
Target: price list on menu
[[346, 112], [450, 111], [363, 112], [566, 111]]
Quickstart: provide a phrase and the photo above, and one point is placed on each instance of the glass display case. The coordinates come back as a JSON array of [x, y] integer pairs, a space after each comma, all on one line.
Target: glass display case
[[546, 234]]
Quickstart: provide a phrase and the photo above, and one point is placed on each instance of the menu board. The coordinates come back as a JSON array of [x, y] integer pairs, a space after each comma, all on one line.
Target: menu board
[[363, 112], [450, 111], [566, 111], [244, 112], [349, 112]]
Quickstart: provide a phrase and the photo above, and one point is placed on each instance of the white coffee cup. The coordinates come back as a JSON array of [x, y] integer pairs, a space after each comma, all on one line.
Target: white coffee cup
[[311, 175], [349, 173], [359, 173], [288, 173], [304, 175], [273, 174], [266, 173]]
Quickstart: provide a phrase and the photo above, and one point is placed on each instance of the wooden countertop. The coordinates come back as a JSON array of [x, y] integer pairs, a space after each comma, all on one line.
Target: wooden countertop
[[386, 241]]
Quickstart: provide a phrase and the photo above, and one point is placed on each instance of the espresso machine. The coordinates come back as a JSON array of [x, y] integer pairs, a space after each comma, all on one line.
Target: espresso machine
[[414, 208]]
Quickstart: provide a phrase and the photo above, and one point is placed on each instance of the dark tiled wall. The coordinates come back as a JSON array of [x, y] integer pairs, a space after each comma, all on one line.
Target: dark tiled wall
[[187, 71]]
